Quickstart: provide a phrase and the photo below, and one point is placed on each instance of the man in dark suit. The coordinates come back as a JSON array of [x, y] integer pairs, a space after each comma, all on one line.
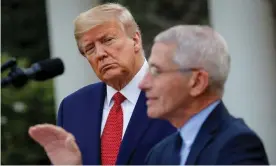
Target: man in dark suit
[[106, 122], [188, 69]]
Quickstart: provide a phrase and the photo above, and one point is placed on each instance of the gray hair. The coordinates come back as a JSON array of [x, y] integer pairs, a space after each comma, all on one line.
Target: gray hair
[[199, 47]]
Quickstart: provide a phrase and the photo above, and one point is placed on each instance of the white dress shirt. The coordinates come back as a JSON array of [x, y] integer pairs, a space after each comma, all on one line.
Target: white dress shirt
[[131, 92]]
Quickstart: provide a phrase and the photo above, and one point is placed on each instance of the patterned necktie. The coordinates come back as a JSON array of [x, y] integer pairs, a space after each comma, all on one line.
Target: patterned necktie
[[112, 133]]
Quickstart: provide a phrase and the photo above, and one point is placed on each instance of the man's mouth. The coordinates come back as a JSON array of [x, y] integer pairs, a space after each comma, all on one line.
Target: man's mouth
[[107, 67], [150, 100]]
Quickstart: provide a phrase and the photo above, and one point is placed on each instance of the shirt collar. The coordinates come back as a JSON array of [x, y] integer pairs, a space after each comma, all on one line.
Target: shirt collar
[[189, 130], [131, 91]]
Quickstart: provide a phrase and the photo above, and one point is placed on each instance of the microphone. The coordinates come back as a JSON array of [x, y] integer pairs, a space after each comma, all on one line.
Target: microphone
[[39, 71], [8, 64]]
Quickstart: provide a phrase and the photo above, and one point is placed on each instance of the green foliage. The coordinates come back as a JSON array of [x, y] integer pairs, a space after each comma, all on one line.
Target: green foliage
[[24, 36], [22, 108], [24, 29]]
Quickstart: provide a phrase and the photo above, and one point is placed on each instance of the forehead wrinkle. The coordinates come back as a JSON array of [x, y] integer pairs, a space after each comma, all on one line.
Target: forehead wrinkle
[[164, 49], [100, 33]]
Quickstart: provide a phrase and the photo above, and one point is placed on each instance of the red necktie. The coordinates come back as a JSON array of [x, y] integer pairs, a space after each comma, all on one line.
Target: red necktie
[[112, 133]]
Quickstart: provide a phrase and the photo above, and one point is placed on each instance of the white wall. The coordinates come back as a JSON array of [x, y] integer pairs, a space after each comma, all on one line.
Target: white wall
[[78, 73], [247, 26]]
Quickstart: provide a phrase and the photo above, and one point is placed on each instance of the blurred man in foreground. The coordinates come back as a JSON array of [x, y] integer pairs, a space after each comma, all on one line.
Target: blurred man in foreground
[[188, 68], [105, 123]]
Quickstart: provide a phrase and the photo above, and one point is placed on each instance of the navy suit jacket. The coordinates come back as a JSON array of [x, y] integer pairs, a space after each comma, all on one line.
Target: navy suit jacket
[[222, 140], [81, 114]]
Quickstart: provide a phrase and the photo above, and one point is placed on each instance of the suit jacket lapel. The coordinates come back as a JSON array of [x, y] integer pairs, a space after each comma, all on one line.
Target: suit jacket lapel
[[207, 132], [202, 140], [95, 102], [138, 124], [171, 155]]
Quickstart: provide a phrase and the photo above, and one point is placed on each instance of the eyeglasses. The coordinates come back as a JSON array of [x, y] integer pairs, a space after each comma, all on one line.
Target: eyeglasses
[[155, 72]]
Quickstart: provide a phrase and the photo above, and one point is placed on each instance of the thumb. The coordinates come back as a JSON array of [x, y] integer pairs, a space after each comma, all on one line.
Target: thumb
[[71, 144]]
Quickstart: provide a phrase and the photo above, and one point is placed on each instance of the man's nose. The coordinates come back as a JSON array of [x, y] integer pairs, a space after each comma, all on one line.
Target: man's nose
[[100, 51], [145, 83]]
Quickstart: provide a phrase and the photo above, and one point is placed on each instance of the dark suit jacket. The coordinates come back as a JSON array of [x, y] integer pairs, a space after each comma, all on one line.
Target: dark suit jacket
[[81, 114], [222, 140]]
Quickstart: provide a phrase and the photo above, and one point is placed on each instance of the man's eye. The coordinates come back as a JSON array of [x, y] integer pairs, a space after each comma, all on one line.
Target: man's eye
[[90, 50], [108, 40], [154, 71]]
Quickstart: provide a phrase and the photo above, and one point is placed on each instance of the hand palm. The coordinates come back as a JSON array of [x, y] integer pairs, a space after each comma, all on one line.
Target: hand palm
[[59, 145]]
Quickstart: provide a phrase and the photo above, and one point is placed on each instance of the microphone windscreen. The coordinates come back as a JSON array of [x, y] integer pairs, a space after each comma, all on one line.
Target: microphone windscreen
[[49, 68]]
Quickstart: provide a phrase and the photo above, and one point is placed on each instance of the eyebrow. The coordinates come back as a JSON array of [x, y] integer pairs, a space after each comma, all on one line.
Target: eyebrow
[[99, 38], [154, 65], [87, 46], [89, 43]]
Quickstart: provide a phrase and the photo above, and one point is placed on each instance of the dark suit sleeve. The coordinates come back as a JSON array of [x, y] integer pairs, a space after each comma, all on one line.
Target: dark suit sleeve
[[243, 149], [60, 115]]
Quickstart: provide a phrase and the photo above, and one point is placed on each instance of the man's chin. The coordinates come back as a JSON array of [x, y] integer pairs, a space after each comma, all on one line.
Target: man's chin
[[111, 76], [153, 113]]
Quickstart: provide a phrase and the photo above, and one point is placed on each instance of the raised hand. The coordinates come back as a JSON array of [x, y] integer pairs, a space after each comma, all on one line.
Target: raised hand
[[59, 144]]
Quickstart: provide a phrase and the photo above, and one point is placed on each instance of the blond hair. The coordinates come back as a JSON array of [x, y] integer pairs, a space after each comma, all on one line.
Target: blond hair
[[105, 13]]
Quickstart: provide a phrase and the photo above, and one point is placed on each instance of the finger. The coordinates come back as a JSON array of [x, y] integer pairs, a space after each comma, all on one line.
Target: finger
[[40, 135], [49, 131], [36, 135], [59, 132]]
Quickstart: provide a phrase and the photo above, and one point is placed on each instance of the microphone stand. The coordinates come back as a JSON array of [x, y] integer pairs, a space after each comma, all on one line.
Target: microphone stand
[[16, 76]]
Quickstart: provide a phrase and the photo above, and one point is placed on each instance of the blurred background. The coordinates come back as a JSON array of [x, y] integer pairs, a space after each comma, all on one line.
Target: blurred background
[[34, 30]]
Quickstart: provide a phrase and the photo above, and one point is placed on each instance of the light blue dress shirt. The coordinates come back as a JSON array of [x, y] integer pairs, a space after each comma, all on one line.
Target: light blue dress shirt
[[190, 129]]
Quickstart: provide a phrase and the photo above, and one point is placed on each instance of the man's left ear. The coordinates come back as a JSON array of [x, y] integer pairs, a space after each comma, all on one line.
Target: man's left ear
[[137, 41], [199, 83]]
